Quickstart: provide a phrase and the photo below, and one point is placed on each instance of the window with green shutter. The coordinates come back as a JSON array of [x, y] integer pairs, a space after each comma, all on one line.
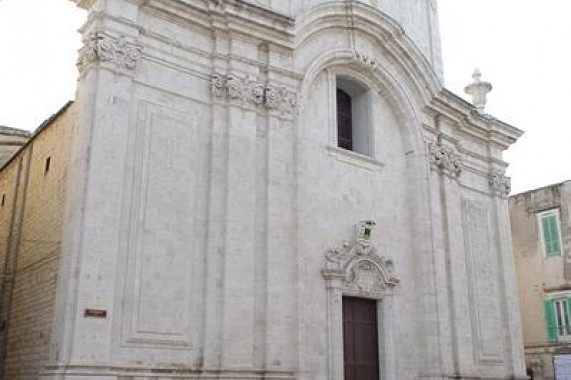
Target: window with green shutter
[[550, 233], [550, 324], [558, 318]]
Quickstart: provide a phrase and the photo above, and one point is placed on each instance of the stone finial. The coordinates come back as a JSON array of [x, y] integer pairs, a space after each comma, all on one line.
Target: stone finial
[[478, 90]]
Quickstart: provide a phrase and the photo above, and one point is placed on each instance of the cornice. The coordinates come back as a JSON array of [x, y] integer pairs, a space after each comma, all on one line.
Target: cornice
[[253, 22], [8, 131], [235, 16], [240, 6], [469, 120]]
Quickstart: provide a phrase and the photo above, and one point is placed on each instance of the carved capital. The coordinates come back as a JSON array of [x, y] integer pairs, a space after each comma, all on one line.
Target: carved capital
[[250, 90], [217, 84], [500, 184], [445, 161], [104, 47], [280, 98]]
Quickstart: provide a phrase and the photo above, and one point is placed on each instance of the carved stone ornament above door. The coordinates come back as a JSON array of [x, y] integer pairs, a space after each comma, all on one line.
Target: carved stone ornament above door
[[358, 266]]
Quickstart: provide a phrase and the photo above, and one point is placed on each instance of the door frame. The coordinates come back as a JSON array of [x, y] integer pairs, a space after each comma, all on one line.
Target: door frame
[[356, 270], [385, 330]]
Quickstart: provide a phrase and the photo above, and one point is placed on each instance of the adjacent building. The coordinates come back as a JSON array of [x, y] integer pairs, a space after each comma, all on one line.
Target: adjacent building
[[11, 140], [33, 186], [247, 190], [541, 228]]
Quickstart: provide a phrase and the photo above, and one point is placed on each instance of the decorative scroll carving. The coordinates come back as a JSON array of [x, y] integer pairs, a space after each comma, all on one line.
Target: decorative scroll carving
[[217, 84], [252, 91], [364, 60], [445, 161], [359, 266], [103, 47], [280, 98], [500, 184]]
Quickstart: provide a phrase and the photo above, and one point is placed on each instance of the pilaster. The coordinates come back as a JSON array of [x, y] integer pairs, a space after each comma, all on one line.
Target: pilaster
[[446, 166], [513, 341], [85, 303]]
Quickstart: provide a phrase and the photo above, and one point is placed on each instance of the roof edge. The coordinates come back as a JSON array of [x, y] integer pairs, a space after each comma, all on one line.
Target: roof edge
[[38, 130]]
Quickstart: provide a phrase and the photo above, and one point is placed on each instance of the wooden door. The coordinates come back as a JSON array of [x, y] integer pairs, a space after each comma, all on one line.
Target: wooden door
[[360, 339]]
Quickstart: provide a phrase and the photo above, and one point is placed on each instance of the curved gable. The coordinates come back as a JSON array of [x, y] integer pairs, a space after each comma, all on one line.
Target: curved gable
[[367, 30]]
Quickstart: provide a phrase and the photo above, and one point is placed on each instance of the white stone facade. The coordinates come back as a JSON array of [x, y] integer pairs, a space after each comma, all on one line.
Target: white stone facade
[[210, 231]]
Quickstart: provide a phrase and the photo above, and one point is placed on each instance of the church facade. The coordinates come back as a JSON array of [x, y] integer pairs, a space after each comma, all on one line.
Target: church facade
[[279, 190]]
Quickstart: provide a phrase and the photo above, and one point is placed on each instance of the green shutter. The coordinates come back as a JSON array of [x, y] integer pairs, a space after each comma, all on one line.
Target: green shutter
[[555, 245], [551, 235], [568, 320], [550, 322], [546, 234]]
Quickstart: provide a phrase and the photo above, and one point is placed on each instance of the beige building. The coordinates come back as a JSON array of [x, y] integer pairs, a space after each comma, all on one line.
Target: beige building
[[541, 229], [33, 184]]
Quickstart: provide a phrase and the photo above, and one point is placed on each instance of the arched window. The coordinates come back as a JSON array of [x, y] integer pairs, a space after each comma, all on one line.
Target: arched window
[[353, 119]]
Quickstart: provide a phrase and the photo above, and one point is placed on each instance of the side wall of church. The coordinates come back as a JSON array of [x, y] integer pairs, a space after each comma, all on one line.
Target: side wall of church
[[32, 187]]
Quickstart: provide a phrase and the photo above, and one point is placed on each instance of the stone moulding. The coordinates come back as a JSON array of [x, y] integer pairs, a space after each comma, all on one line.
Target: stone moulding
[[358, 265], [500, 184], [104, 47], [365, 61], [250, 90], [445, 161]]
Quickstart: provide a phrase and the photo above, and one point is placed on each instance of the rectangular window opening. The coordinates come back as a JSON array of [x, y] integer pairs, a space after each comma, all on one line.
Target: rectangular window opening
[[344, 120], [562, 313], [354, 130], [47, 167]]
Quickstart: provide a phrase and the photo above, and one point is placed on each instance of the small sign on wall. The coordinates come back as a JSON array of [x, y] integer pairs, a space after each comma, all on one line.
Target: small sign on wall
[[95, 313]]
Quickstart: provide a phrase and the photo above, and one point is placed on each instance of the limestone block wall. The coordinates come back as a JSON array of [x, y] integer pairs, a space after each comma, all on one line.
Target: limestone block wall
[[207, 191], [33, 185]]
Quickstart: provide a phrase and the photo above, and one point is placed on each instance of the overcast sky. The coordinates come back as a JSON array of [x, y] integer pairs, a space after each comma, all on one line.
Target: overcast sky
[[521, 46]]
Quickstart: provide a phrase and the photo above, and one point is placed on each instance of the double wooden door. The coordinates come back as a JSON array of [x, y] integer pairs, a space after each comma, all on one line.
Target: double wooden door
[[360, 339]]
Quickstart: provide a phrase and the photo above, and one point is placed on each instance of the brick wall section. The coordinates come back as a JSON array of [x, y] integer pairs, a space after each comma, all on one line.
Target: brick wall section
[[30, 243]]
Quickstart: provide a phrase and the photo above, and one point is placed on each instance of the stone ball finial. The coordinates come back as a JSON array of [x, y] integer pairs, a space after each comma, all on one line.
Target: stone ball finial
[[478, 89]]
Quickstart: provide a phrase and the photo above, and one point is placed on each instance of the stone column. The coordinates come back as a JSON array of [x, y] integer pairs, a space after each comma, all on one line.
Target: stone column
[[215, 246], [108, 62], [454, 322], [238, 278], [334, 283], [500, 187], [282, 267], [387, 342]]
